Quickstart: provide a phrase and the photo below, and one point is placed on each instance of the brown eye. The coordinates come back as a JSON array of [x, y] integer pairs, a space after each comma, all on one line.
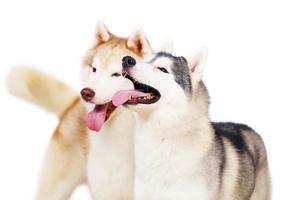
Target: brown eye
[[116, 74], [94, 69]]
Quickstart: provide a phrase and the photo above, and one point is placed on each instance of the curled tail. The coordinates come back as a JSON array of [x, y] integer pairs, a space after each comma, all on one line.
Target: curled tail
[[42, 89]]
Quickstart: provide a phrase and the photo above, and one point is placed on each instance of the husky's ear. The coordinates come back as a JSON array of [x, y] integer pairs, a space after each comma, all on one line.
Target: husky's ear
[[196, 64], [167, 46], [102, 33], [139, 43]]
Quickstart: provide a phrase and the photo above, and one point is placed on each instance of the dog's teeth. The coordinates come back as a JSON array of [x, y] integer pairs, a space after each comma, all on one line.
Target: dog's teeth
[[150, 96], [130, 97]]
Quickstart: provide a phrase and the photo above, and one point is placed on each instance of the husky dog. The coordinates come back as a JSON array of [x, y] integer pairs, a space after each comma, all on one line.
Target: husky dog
[[102, 156], [179, 152], [110, 160]]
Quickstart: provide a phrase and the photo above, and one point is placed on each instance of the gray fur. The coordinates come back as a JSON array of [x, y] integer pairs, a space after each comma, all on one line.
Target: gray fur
[[180, 70], [250, 150]]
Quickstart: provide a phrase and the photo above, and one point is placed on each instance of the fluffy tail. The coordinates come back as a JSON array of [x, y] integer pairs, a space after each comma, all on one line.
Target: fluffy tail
[[42, 89]]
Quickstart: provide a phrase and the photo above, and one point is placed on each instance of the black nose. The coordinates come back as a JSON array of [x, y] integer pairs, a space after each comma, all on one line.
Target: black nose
[[87, 94], [128, 61]]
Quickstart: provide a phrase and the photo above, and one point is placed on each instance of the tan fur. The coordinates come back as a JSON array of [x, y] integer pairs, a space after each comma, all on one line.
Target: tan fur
[[65, 163], [42, 89], [104, 51], [263, 185]]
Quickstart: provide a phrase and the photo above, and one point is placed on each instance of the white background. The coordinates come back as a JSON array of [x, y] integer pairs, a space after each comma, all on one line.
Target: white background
[[252, 71]]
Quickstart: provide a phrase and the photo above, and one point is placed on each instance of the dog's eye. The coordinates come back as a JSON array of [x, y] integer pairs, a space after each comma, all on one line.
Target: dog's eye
[[94, 69], [163, 69], [116, 74]]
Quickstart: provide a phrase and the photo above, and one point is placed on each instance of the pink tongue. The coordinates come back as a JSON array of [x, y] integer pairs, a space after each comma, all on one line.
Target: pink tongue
[[97, 117], [123, 96]]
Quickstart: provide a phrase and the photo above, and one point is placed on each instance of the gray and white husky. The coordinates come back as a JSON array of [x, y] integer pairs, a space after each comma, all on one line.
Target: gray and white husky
[[179, 152]]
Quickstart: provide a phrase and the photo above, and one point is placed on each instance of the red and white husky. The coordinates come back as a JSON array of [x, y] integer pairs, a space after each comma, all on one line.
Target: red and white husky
[[103, 157]]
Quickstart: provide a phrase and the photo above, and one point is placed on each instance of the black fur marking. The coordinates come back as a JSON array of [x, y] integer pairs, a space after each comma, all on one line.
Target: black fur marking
[[233, 132], [221, 151]]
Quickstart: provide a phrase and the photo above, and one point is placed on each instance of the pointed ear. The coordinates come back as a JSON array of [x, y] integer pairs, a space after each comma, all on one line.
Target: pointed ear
[[196, 63], [167, 46], [102, 33], [139, 43]]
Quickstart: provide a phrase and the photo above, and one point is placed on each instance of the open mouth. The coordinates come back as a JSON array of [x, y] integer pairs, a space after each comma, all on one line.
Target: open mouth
[[99, 115], [152, 94], [142, 94]]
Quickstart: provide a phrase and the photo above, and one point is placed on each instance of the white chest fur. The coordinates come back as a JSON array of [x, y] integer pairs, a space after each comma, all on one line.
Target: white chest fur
[[110, 160], [168, 164]]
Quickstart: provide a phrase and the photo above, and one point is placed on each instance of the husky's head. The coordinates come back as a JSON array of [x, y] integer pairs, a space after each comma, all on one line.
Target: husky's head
[[163, 82], [102, 71]]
